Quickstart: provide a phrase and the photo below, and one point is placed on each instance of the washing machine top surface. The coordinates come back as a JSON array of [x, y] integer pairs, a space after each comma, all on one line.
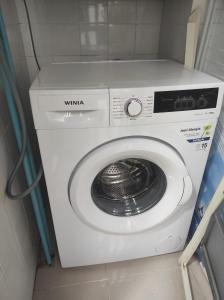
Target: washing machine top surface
[[122, 93], [118, 74]]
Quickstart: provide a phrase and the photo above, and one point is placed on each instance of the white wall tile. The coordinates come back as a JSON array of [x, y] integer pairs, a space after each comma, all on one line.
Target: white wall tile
[[149, 11], [219, 4], [219, 16], [214, 60], [86, 58], [56, 39], [9, 12], [106, 29], [17, 256], [93, 39], [146, 56], [25, 33], [21, 13], [217, 37], [176, 11], [7, 245], [122, 11], [15, 209], [4, 295], [32, 65], [15, 40], [65, 59], [53, 11], [11, 260], [147, 39], [216, 69], [19, 222], [93, 11], [174, 48], [121, 40], [215, 54], [173, 29], [17, 50], [18, 280]]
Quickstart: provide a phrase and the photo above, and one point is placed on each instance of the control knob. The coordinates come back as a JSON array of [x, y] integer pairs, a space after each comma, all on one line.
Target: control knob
[[133, 107]]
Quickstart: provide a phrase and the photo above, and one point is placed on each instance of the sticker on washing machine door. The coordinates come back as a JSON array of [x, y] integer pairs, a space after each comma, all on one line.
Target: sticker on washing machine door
[[200, 136]]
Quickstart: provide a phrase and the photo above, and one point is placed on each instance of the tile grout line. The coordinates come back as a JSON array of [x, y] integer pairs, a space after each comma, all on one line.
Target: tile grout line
[[135, 37], [53, 288], [108, 29]]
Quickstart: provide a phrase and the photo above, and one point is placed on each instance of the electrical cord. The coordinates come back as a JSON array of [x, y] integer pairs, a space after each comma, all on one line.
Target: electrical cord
[[31, 34], [7, 75]]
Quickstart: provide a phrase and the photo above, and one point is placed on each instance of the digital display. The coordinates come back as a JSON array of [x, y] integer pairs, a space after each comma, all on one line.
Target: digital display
[[184, 100]]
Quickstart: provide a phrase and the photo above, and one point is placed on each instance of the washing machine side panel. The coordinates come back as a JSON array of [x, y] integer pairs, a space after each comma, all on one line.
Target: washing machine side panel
[[61, 150]]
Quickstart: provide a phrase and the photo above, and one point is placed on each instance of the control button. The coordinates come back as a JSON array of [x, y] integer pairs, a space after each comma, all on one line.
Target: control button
[[133, 107], [202, 102], [184, 103]]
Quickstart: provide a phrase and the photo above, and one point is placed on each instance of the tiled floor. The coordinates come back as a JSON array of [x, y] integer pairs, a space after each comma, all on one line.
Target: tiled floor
[[154, 278]]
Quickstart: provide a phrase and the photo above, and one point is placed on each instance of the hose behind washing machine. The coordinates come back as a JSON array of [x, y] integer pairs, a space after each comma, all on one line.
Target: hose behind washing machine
[[7, 77]]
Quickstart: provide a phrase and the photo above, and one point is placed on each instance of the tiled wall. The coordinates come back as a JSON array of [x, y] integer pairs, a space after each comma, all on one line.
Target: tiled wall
[[91, 29], [18, 237], [174, 28], [18, 242], [214, 61], [21, 63]]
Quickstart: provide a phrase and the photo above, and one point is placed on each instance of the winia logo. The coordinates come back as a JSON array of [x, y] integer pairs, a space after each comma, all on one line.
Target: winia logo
[[74, 102]]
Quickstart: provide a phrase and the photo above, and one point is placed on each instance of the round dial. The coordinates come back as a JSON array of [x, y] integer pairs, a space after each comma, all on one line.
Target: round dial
[[134, 107]]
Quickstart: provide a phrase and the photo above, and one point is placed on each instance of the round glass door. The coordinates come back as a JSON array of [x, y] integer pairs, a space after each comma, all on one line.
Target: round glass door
[[128, 187]]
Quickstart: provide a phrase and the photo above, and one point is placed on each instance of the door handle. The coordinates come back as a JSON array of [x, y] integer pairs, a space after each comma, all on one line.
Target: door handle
[[188, 189]]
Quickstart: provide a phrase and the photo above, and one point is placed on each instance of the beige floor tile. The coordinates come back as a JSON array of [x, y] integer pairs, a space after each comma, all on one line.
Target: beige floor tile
[[144, 265], [52, 277], [154, 286], [153, 278], [85, 291]]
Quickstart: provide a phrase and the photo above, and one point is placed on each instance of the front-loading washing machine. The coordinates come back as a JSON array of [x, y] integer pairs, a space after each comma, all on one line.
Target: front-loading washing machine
[[124, 146]]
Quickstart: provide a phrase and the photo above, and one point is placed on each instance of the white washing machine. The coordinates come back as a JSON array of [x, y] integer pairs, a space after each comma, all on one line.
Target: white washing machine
[[124, 146]]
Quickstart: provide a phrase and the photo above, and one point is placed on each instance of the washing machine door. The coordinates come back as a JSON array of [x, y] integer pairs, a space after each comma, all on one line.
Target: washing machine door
[[129, 185]]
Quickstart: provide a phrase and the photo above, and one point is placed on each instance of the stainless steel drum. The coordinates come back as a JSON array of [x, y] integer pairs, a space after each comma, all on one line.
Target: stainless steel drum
[[124, 179], [128, 187]]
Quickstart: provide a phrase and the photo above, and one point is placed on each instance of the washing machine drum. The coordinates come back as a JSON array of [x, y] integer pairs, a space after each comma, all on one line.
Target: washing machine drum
[[128, 187]]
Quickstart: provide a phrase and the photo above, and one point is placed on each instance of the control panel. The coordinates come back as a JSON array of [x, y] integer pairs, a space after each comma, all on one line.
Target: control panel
[[183, 100], [138, 106]]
